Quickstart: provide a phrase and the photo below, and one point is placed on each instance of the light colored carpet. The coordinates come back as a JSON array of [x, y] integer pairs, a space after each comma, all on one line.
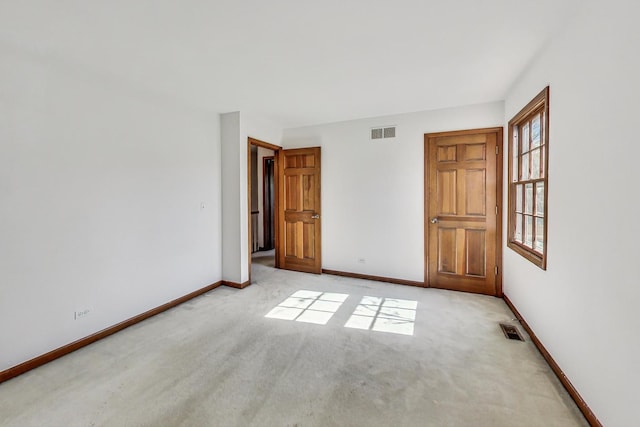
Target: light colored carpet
[[218, 361]]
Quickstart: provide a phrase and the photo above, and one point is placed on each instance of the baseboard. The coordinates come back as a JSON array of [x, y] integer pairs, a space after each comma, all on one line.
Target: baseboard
[[582, 405], [376, 278], [236, 285], [69, 348]]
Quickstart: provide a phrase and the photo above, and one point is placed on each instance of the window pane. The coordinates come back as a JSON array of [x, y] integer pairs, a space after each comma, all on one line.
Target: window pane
[[525, 167], [518, 205], [540, 199], [535, 131], [528, 199], [528, 231], [539, 243], [525, 138], [542, 160], [517, 236], [514, 175], [535, 164]]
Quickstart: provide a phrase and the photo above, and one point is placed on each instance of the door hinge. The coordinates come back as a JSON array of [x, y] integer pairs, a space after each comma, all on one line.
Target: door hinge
[[497, 149], [496, 270], [496, 209]]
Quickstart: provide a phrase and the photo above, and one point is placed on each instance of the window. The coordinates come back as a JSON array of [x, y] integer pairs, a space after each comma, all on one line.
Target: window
[[528, 180]]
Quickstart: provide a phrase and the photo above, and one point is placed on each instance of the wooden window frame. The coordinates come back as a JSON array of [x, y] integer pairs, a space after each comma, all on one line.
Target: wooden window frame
[[538, 105]]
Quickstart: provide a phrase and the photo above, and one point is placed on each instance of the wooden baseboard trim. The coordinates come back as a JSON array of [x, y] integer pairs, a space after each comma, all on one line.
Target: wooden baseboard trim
[[83, 342], [376, 278], [582, 405], [236, 285]]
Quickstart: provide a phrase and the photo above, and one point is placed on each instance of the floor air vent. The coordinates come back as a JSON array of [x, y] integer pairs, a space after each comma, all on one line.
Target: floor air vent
[[511, 332]]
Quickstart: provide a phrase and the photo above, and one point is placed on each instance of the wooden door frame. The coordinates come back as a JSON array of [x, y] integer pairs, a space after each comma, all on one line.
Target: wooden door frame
[[264, 198], [499, 197], [276, 149]]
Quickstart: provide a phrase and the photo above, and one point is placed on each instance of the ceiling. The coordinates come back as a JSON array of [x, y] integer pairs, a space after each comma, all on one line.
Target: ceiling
[[295, 62]]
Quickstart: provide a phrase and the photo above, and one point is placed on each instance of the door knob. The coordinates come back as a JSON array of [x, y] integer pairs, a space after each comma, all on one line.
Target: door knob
[[316, 216], [434, 220]]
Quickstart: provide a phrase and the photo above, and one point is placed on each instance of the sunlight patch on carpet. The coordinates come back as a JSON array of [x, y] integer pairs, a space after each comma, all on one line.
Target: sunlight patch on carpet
[[309, 307], [380, 314]]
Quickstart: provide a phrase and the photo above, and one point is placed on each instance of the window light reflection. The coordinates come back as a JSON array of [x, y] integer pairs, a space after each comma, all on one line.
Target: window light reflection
[[308, 306], [380, 314]]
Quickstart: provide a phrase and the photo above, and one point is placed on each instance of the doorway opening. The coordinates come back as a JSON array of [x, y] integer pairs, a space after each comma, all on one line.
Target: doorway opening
[[293, 221], [268, 204], [262, 182]]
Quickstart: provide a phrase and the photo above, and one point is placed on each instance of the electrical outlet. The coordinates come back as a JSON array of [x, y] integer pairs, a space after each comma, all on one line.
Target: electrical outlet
[[362, 260], [202, 206], [79, 314]]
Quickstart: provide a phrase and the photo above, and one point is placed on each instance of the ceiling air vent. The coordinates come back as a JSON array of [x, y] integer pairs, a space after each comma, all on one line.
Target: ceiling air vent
[[384, 132]]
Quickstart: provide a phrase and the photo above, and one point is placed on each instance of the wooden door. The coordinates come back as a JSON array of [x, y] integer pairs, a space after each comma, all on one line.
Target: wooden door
[[462, 204], [299, 205]]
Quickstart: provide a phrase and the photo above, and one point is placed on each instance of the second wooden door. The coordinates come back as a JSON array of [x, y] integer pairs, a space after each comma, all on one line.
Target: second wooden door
[[462, 223]]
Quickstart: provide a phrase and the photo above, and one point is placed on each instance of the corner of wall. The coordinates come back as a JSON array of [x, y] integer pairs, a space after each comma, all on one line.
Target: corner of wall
[[236, 128]]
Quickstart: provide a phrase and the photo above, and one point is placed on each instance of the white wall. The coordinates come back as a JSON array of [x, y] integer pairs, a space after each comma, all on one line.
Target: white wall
[[231, 169], [584, 308], [236, 128], [372, 191], [101, 186]]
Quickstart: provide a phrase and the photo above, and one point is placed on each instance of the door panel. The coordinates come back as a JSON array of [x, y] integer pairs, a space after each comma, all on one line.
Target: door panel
[[300, 210], [447, 184], [447, 257], [476, 245], [462, 229]]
